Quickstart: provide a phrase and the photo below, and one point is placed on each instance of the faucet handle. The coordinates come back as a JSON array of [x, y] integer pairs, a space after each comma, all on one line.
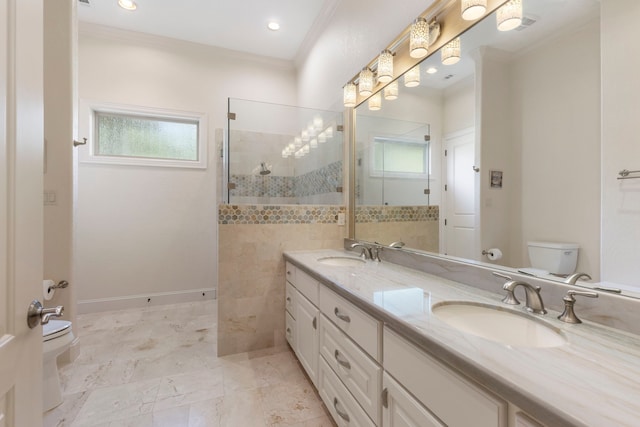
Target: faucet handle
[[569, 315], [510, 297]]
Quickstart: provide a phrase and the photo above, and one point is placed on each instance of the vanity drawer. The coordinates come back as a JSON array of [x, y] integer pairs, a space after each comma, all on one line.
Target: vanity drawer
[[343, 407], [358, 325], [358, 372], [290, 272], [307, 286], [453, 399], [289, 299], [290, 330]]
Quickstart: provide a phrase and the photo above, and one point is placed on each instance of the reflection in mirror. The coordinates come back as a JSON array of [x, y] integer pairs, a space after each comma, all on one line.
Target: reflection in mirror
[[278, 154], [514, 131]]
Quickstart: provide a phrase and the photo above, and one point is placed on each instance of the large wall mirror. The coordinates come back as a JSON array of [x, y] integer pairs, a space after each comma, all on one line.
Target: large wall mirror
[[497, 150]]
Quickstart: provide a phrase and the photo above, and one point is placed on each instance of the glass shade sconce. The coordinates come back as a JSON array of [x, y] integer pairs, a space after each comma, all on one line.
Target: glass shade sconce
[[375, 102], [349, 95], [313, 143], [412, 77], [385, 66], [322, 137], [473, 9], [419, 38], [451, 52], [391, 91], [509, 16], [365, 82]]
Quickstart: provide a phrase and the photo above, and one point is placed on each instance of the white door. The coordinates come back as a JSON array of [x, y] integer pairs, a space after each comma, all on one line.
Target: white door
[[21, 148], [460, 195]]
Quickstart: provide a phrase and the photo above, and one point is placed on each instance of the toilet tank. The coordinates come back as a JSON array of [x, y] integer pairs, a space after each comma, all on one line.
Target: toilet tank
[[556, 258]]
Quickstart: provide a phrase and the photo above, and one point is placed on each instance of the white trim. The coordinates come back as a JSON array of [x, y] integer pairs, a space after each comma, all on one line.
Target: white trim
[[86, 153], [145, 300]]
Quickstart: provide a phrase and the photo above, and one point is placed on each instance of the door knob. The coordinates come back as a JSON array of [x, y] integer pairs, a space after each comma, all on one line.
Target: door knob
[[37, 314]]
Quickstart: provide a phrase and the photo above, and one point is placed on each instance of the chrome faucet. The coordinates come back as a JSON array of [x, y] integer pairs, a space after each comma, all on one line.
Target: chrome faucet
[[533, 303], [366, 250], [568, 315], [572, 279], [396, 245]]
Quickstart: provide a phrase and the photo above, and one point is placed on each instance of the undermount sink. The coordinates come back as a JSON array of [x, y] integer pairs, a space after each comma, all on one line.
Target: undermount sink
[[341, 261], [496, 324]]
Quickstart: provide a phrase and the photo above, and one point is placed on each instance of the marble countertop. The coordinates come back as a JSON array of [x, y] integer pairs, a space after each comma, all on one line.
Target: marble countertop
[[591, 380]]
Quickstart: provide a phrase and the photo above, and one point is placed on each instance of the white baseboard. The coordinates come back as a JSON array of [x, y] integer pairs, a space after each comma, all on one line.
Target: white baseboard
[[146, 300]]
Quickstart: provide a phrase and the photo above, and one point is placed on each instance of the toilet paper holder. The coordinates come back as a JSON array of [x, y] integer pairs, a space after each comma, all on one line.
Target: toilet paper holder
[[487, 252], [61, 285]]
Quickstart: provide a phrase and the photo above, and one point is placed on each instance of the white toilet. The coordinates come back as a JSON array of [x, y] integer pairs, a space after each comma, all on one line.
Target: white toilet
[[57, 337], [559, 259]]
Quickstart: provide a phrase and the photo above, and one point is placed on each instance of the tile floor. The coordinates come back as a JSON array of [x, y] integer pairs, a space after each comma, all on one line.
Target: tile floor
[[157, 367]]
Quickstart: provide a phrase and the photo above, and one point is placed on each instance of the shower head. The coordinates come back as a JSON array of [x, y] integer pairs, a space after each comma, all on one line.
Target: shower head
[[264, 169]]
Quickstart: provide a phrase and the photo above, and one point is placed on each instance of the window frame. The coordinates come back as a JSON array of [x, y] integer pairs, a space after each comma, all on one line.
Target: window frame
[[377, 173], [87, 153]]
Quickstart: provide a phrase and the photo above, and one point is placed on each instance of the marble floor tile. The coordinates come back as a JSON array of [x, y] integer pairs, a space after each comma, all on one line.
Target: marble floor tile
[[158, 367]]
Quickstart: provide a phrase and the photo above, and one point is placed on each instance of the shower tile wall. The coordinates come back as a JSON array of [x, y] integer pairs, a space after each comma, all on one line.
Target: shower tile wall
[[251, 280], [416, 226]]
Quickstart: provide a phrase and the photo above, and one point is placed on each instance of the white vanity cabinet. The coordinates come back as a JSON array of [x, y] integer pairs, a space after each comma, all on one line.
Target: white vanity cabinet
[[403, 410], [450, 397], [301, 318]]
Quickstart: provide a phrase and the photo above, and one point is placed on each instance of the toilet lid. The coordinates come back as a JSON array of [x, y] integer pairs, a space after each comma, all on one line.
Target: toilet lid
[[55, 328]]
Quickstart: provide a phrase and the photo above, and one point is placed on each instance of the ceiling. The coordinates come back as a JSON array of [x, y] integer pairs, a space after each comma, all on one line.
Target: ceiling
[[239, 25]]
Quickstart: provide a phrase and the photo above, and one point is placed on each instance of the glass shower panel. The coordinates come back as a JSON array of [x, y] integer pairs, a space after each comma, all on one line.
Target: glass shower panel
[[279, 154]]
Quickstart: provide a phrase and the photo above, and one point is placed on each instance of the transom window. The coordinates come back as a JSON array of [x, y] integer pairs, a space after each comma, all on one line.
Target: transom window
[[143, 136], [399, 157]]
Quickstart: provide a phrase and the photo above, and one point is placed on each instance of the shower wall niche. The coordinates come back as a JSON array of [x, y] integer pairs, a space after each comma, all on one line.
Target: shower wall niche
[[278, 154]]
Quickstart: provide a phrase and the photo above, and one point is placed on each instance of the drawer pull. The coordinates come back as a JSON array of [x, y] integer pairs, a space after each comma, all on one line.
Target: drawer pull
[[289, 299], [289, 330], [315, 323], [342, 361], [340, 412], [341, 316], [288, 273], [385, 398]]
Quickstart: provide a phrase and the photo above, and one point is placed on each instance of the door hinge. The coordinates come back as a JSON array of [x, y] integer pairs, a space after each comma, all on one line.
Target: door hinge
[[340, 128], [231, 116], [445, 187], [231, 186], [445, 222], [445, 153], [427, 138], [385, 398], [427, 191]]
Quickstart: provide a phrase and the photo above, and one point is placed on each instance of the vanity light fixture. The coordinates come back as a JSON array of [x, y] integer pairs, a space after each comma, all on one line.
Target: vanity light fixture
[[127, 4], [291, 147], [451, 52], [365, 82], [419, 38], [313, 143], [311, 129], [273, 26], [318, 123], [306, 149], [349, 95], [509, 16], [329, 132], [322, 137], [412, 77], [305, 135], [385, 66], [473, 9], [285, 153], [391, 91], [375, 102], [297, 142]]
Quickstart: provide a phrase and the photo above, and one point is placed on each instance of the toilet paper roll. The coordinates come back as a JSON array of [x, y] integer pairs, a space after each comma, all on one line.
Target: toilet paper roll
[[494, 254], [47, 289]]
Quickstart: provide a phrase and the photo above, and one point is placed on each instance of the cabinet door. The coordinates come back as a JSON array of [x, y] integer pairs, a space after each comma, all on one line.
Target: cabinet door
[[306, 340], [400, 409]]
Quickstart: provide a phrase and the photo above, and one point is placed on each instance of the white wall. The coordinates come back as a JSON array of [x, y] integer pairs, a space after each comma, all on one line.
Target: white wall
[[459, 106], [555, 95], [620, 146], [143, 231]]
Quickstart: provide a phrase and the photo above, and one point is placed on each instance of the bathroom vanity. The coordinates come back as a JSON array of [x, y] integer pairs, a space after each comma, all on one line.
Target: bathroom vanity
[[388, 345]]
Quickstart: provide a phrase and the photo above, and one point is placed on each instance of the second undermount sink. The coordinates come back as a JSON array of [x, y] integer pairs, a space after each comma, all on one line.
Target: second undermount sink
[[496, 324], [341, 261]]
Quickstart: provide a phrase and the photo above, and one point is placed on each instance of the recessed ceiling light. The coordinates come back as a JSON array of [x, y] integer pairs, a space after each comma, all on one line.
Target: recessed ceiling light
[[127, 4], [273, 26], [432, 70]]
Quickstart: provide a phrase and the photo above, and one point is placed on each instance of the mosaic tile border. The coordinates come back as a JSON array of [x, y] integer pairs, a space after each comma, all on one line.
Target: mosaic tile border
[[274, 214], [366, 214]]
